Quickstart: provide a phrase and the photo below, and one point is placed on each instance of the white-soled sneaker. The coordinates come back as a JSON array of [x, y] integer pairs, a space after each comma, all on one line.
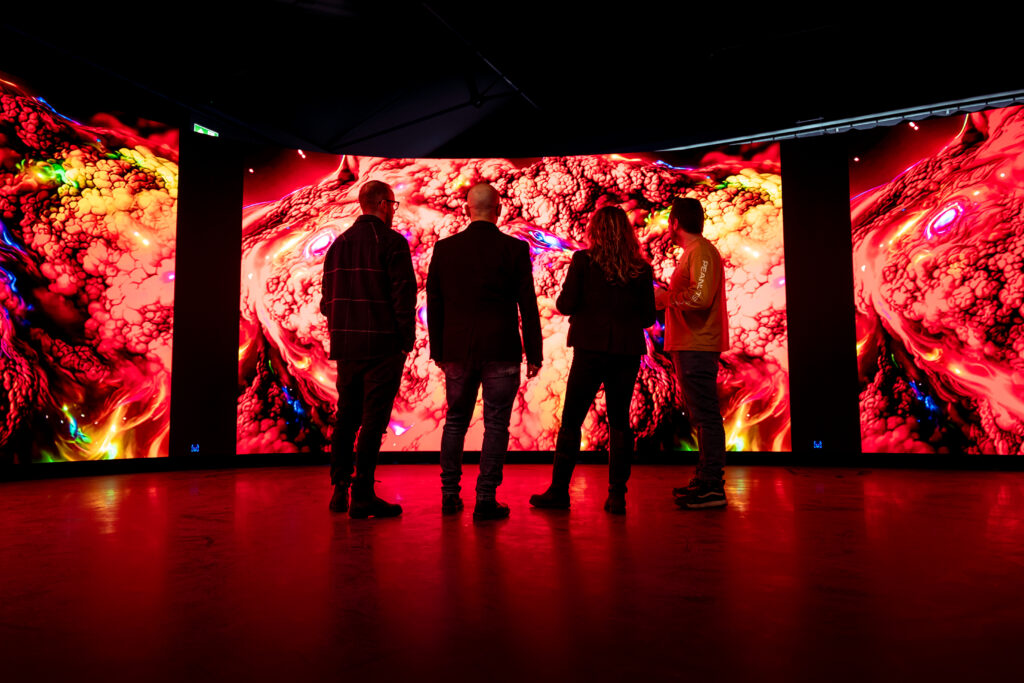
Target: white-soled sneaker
[[705, 495]]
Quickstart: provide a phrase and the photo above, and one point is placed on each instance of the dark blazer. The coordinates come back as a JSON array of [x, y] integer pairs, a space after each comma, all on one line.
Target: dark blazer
[[603, 315], [369, 292], [480, 282]]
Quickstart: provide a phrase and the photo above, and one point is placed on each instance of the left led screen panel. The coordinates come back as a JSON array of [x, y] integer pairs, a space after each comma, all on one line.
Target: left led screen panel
[[88, 203]]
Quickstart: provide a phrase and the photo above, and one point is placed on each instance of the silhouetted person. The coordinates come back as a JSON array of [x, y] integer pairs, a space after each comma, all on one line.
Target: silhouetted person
[[480, 282], [369, 299], [696, 332], [609, 295]]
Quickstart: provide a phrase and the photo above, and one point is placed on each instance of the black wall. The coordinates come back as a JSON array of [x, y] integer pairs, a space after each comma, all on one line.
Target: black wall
[[204, 370], [819, 297]]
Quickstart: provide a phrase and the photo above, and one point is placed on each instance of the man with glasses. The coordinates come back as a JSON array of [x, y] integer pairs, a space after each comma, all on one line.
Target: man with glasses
[[369, 299], [479, 285]]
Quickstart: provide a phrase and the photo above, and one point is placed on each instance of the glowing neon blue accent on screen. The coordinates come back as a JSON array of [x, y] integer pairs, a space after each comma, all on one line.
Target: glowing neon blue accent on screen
[[944, 222], [668, 165], [10, 280], [929, 402], [945, 219], [293, 402], [76, 433], [547, 240], [7, 238], [50, 107]]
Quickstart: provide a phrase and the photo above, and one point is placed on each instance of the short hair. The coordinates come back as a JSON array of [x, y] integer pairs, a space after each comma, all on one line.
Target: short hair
[[482, 199], [372, 193], [688, 214]]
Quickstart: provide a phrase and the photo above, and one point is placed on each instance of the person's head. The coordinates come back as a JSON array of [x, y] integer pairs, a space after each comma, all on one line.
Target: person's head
[[483, 203], [377, 199], [687, 217], [613, 244]]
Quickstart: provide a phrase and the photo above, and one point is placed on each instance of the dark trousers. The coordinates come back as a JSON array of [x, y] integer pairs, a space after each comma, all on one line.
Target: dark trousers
[[697, 372], [462, 382], [617, 372], [366, 393]]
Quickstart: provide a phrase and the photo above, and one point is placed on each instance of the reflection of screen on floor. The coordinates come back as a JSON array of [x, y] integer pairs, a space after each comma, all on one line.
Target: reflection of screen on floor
[[937, 267], [299, 202], [87, 249]]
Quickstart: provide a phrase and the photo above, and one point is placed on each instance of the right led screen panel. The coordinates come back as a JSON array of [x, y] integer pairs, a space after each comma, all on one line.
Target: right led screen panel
[[938, 258]]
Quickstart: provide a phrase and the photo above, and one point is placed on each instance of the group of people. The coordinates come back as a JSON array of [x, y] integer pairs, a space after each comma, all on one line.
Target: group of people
[[482, 316]]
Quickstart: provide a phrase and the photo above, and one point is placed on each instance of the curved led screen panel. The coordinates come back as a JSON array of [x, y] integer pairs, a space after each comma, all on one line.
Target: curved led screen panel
[[298, 202], [87, 246], [938, 256]]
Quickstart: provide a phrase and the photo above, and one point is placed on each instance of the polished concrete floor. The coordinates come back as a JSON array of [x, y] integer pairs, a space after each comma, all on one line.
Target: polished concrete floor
[[809, 574]]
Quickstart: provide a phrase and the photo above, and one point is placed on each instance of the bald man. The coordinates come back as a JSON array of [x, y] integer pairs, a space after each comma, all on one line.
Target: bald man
[[369, 299], [479, 286]]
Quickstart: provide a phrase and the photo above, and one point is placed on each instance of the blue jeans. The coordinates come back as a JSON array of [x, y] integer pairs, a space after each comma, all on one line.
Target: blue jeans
[[462, 382], [697, 372]]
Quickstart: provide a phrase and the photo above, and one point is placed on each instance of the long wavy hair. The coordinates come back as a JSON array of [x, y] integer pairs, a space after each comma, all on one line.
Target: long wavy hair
[[614, 246]]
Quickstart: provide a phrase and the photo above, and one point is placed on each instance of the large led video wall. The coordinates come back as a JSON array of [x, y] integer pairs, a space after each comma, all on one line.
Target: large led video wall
[[298, 202], [87, 245], [938, 256]]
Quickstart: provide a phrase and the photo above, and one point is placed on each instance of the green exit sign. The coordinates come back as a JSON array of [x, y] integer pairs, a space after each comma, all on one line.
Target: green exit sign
[[204, 130]]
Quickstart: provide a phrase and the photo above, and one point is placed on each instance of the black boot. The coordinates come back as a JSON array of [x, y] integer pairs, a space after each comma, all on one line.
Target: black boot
[[490, 509], [557, 495], [339, 500], [365, 502], [620, 464]]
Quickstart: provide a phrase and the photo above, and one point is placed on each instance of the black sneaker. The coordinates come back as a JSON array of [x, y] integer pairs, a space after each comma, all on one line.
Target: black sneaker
[[339, 501], [451, 503], [706, 495], [491, 509], [373, 507], [685, 490]]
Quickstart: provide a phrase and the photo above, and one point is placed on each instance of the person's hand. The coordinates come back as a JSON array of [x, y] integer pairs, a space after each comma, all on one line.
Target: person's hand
[[532, 370], [660, 297]]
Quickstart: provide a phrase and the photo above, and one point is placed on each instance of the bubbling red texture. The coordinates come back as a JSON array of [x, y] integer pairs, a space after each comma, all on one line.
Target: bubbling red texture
[[287, 384], [939, 282], [86, 284]]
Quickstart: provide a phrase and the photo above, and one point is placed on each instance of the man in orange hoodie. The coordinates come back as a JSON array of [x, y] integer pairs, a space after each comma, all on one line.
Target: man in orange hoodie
[[696, 332]]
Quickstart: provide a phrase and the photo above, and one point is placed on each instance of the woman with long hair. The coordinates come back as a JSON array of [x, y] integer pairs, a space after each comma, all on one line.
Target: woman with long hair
[[608, 295]]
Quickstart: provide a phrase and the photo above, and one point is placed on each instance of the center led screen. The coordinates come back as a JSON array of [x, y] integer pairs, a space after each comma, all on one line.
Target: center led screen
[[87, 247], [298, 202], [938, 256]]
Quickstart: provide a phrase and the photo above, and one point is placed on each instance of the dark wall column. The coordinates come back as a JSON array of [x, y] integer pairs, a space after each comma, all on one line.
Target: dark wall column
[[819, 297], [206, 291]]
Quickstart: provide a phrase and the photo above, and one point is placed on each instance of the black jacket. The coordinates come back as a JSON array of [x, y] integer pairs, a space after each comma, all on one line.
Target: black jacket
[[603, 315], [479, 283], [369, 292]]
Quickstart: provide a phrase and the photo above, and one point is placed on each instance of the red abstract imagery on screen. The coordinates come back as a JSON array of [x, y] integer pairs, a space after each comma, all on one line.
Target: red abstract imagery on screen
[[87, 247], [938, 257], [298, 202]]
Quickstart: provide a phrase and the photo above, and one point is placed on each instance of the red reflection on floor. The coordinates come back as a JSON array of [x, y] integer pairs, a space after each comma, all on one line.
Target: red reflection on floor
[[830, 574]]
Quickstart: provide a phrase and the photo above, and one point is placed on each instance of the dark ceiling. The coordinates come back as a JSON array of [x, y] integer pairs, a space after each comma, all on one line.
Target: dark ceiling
[[442, 78]]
